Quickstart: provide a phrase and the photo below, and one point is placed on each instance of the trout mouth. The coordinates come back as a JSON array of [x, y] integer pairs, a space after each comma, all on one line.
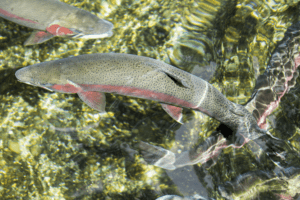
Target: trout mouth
[[92, 36], [28, 83], [47, 89], [45, 86], [103, 30]]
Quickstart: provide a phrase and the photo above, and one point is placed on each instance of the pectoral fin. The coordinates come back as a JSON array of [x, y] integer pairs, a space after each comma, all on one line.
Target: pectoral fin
[[174, 112], [95, 100], [57, 30], [38, 37]]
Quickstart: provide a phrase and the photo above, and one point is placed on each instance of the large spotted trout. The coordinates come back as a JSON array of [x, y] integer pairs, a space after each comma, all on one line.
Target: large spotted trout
[[279, 77], [52, 18], [94, 74]]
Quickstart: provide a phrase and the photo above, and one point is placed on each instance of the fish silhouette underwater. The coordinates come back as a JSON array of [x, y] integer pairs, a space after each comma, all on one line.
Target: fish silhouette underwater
[[92, 75], [52, 18]]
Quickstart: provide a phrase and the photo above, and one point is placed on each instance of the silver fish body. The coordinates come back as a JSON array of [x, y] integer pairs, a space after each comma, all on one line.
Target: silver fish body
[[136, 76], [54, 18]]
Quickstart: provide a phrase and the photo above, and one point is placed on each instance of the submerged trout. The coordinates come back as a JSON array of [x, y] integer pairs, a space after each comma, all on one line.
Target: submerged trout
[[279, 77], [53, 18], [137, 76]]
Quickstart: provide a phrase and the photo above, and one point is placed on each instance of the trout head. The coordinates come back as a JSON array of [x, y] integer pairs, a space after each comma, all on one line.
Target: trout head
[[87, 26], [44, 75]]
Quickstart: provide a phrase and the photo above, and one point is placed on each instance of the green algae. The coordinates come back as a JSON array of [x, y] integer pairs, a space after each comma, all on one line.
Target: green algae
[[53, 146]]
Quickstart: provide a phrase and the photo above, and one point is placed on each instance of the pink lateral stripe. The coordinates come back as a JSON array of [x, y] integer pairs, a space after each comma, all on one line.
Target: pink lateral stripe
[[124, 90], [68, 88], [129, 91], [8, 14], [138, 92]]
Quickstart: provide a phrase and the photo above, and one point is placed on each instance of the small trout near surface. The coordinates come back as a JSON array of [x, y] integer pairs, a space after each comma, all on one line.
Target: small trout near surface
[[53, 18], [137, 76]]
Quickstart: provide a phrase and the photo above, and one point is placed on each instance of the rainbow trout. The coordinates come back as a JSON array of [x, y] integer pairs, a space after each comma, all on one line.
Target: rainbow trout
[[52, 18], [94, 74], [280, 75]]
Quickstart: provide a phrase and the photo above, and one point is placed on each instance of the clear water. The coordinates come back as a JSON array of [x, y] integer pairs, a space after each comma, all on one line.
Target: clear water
[[53, 146]]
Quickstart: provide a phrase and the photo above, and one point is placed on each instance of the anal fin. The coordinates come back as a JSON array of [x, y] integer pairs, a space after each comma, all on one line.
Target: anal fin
[[174, 112], [38, 37], [95, 100]]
